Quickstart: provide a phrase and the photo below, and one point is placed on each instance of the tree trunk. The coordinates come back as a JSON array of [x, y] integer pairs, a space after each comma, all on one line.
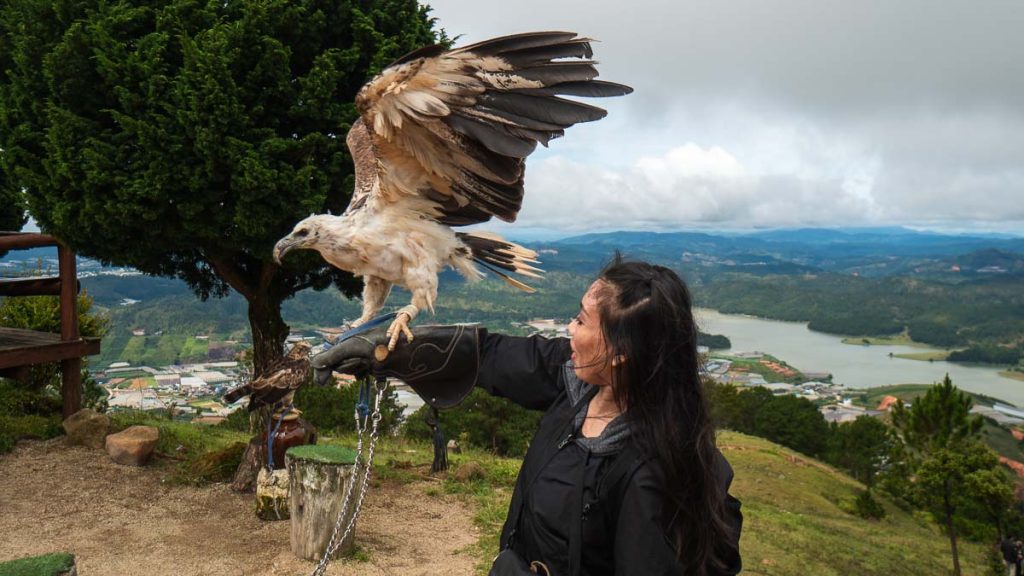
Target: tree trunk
[[952, 535], [269, 332], [245, 475]]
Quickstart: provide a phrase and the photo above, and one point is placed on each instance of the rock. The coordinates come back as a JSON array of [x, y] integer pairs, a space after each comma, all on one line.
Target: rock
[[86, 428], [470, 471], [454, 447], [133, 446]]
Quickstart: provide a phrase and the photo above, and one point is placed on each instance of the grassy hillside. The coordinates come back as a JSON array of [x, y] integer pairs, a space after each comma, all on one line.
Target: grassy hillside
[[795, 523]]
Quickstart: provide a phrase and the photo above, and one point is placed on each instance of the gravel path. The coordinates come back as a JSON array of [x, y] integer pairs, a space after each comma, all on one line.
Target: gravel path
[[126, 521]]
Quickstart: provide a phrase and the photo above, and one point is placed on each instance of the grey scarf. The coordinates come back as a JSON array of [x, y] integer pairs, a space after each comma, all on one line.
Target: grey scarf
[[615, 433]]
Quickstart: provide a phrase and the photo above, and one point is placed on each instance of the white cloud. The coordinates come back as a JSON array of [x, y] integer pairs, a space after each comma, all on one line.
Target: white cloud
[[753, 113]]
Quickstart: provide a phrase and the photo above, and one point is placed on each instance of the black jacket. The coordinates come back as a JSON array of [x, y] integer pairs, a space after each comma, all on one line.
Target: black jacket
[[560, 479]]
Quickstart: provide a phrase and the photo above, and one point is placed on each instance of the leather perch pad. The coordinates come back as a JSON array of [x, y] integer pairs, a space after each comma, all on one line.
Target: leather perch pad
[[441, 364]]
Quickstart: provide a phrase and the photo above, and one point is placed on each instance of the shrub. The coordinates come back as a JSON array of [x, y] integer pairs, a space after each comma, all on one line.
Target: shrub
[[330, 409], [486, 421], [866, 506]]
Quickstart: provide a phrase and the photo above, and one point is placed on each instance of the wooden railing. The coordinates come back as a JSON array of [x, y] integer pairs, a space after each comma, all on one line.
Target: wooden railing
[[20, 349]]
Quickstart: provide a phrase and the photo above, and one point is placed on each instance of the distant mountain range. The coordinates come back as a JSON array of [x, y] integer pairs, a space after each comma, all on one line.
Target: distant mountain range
[[871, 251]]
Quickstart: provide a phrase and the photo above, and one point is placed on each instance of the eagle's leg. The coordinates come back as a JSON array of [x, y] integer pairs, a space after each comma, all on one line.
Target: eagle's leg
[[422, 299], [375, 293]]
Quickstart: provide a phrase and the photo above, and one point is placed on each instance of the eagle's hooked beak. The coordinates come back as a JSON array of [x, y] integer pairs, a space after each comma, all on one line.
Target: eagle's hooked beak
[[283, 246]]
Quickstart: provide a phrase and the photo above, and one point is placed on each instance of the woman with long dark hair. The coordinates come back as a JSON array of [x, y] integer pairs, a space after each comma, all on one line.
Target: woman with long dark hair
[[622, 476]]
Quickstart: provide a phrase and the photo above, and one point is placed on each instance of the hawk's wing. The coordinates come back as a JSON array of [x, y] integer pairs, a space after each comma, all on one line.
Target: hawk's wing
[[445, 133], [284, 376]]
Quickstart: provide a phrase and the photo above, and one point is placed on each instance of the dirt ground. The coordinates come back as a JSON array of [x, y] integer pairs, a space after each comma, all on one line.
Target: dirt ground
[[124, 521]]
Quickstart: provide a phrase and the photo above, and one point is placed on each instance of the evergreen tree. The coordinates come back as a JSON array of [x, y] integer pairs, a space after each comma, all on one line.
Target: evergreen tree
[[937, 419], [952, 469], [185, 138], [957, 475]]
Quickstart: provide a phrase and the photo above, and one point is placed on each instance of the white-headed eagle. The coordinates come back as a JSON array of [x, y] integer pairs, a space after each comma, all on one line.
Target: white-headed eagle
[[441, 142]]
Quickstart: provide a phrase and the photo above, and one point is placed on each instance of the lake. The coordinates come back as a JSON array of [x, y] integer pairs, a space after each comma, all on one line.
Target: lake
[[851, 365]]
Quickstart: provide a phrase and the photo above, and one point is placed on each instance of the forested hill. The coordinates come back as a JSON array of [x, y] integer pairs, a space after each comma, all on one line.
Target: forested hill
[[963, 292]]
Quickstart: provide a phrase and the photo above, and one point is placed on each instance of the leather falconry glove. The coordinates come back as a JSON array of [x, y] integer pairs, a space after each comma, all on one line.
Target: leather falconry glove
[[441, 363]]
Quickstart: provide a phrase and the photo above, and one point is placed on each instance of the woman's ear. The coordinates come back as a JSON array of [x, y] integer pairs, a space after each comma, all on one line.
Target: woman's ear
[[619, 359]]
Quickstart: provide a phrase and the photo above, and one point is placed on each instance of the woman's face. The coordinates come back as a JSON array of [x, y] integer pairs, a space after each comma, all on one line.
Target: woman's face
[[590, 353]]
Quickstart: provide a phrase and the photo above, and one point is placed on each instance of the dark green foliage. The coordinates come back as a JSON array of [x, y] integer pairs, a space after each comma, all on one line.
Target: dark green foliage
[[12, 207], [27, 412], [237, 420], [793, 422], [989, 354], [868, 507], [713, 341], [860, 447], [937, 419], [185, 138], [484, 421], [331, 409]]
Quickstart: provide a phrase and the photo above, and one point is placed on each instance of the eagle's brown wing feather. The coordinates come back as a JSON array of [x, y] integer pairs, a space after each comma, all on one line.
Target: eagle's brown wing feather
[[447, 132]]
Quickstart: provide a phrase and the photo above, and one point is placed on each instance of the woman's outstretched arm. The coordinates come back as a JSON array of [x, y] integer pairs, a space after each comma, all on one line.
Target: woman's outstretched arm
[[526, 370]]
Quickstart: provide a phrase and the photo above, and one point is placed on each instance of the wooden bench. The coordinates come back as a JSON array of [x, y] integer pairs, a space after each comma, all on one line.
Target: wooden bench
[[20, 349]]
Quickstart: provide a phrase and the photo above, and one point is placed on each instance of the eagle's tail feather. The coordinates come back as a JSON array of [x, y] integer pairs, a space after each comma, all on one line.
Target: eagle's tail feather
[[502, 257]]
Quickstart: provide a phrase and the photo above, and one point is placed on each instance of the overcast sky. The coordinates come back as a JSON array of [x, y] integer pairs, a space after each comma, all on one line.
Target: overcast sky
[[756, 113]]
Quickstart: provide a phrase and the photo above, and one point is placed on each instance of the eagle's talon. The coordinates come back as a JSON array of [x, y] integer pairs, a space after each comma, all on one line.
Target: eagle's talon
[[399, 326]]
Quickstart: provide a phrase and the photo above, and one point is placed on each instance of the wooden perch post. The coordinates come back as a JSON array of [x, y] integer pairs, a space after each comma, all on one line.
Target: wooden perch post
[[318, 478]]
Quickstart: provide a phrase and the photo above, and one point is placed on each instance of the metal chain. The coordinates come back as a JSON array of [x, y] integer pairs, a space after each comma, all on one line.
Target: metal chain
[[375, 418]]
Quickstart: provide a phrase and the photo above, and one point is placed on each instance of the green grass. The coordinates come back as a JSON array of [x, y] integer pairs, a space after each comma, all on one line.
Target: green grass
[[1002, 441], [45, 565], [154, 350], [899, 340], [794, 521], [194, 350], [925, 356], [908, 392], [1015, 374], [754, 366], [326, 453]]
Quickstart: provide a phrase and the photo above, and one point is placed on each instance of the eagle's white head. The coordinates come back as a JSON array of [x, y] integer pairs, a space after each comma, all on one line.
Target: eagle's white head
[[307, 234]]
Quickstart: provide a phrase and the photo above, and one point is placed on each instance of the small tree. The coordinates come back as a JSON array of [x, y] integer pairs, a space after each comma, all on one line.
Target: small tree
[[941, 437], [955, 476]]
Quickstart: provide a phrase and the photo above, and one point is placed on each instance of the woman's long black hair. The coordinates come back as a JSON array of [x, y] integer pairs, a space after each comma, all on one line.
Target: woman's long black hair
[[646, 318]]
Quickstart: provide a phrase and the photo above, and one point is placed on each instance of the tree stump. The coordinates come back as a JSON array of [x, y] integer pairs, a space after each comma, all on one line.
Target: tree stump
[[318, 478]]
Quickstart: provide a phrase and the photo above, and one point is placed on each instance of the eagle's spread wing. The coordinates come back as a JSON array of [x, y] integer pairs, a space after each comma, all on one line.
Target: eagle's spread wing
[[445, 133]]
